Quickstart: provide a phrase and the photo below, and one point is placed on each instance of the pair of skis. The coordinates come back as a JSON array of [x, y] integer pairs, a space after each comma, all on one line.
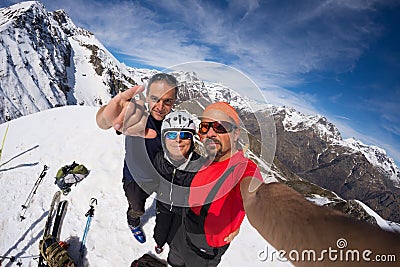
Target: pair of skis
[[57, 211]]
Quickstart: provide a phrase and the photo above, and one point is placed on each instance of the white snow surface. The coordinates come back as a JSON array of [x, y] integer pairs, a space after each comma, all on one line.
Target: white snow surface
[[319, 200], [57, 137], [385, 225]]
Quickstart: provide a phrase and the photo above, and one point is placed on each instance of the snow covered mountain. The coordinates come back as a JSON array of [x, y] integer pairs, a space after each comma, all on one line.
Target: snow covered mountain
[[46, 61], [296, 122], [314, 150]]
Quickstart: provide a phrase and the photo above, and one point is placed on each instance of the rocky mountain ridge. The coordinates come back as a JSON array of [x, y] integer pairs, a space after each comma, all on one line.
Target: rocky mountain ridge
[[318, 154]]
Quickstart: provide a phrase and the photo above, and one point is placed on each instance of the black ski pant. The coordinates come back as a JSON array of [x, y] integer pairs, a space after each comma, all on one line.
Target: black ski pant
[[167, 224], [136, 197]]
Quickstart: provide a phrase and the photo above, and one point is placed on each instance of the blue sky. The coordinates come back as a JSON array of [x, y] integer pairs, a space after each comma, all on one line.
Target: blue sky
[[338, 58]]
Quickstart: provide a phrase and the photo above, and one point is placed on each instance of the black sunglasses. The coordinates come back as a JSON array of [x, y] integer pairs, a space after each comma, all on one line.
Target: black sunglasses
[[219, 127]]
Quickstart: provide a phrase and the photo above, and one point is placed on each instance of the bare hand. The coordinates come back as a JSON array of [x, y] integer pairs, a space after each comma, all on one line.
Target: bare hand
[[231, 236], [135, 120], [125, 114]]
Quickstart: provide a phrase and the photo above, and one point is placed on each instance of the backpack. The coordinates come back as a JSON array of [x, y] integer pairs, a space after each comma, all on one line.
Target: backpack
[[148, 261], [69, 175], [54, 254]]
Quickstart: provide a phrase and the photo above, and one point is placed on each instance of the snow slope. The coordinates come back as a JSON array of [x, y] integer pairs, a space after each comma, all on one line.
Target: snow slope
[[56, 137], [384, 224]]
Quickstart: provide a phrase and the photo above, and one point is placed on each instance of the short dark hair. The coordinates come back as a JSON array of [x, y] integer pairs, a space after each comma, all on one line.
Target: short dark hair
[[168, 78]]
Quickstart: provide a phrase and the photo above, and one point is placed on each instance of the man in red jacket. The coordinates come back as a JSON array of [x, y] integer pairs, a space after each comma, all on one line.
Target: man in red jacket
[[216, 205]]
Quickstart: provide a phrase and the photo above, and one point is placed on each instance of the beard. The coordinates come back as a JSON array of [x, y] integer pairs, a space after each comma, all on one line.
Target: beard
[[213, 147]]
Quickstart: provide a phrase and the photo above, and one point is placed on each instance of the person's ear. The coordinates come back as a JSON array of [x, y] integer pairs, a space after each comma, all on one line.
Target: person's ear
[[236, 134]]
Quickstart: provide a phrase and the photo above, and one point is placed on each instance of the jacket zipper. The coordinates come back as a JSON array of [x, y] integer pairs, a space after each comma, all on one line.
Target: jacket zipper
[[170, 191]]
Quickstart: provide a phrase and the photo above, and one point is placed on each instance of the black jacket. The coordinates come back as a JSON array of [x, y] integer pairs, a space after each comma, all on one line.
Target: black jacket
[[174, 184], [172, 195]]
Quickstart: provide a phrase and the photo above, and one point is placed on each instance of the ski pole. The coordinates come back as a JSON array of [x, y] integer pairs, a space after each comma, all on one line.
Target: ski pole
[[89, 214], [33, 190], [12, 260], [4, 139], [25, 206]]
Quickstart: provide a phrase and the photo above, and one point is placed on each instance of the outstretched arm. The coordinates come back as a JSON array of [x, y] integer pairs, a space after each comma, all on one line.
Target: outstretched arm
[[289, 222]]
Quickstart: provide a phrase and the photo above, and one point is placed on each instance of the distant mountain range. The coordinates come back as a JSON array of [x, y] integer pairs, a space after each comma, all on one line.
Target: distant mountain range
[[47, 61]]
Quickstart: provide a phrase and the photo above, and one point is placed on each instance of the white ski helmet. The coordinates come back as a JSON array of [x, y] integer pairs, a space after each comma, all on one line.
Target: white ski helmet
[[178, 121]]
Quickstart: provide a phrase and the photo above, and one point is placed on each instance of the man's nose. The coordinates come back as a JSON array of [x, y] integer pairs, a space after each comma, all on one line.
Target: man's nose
[[159, 104], [211, 132]]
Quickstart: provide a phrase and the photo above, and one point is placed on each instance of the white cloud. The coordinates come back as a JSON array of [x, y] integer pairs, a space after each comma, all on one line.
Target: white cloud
[[263, 39], [335, 98], [343, 118], [302, 102], [392, 128]]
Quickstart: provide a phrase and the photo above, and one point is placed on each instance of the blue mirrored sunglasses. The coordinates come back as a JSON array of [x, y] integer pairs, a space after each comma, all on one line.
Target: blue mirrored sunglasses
[[172, 135]]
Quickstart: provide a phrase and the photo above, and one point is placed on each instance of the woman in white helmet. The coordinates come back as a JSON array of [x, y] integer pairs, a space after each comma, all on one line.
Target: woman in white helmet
[[177, 165]]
